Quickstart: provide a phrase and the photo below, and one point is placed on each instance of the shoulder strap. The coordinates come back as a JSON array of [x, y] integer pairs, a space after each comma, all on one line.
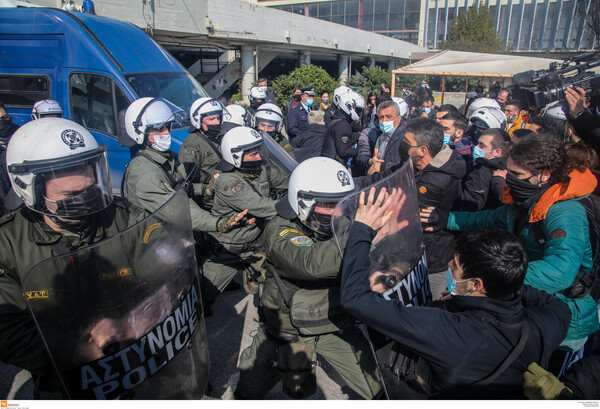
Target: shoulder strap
[[211, 143], [285, 293]]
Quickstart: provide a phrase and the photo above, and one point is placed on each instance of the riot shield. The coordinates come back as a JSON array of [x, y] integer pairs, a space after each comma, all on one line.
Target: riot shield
[[122, 318], [398, 268], [277, 155]]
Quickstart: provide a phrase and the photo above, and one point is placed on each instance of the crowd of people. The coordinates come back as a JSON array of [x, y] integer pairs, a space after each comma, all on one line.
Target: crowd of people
[[513, 310]]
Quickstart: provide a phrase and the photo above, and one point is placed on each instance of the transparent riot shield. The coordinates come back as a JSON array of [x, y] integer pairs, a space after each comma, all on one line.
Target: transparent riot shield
[[398, 269], [277, 155], [122, 318]]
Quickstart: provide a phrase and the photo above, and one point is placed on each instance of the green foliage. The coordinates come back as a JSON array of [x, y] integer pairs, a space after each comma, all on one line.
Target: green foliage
[[407, 80], [305, 76], [475, 32], [370, 79]]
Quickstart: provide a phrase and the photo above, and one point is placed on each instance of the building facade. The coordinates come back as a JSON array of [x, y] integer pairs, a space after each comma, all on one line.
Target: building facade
[[525, 25]]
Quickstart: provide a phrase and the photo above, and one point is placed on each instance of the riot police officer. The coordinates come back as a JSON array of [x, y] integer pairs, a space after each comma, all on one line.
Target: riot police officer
[[341, 137], [61, 174], [269, 119], [200, 153], [300, 307], [46, 108]]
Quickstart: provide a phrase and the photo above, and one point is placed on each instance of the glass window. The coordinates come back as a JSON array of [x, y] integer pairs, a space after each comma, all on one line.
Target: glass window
[[380, 22], [413, 5], [368, 6], [367, 22], [22, 91], [95, 102], [325, 10], [337, 19], [313, 10], [352, 20], [396, 21], [337, 8], [396, 6], [287, 8], [411, 21], [351, 7], [381, 6], [299, 8]]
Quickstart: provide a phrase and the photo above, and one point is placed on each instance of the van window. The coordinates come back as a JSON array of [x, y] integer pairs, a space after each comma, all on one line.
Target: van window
[[22, 91], [95, 101]]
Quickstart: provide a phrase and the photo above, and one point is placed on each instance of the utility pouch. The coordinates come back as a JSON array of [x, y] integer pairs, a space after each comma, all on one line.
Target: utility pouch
[[318, 311], [297, 369]]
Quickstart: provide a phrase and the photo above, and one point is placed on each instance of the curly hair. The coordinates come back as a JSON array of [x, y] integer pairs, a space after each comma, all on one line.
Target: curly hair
[[539, 152]]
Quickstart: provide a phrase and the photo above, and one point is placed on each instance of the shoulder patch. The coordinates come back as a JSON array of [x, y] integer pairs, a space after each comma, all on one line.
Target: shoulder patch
[[345, 139], [189, 151], [31, 295], [423, 190], [286, 231], [557, 234], [301, 241], [235, 186]]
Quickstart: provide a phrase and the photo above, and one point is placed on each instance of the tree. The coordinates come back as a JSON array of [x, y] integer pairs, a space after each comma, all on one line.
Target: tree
[[370, 79], [475, 32], [305, 76]]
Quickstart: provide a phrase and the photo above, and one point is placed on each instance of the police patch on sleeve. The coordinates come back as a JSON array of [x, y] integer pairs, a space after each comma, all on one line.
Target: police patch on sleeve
[[301, 241], [235, 186], [345, 139]]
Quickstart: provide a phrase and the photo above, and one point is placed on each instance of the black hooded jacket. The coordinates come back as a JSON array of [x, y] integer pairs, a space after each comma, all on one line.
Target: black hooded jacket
[[340, 137], [438, 185], [309, 142], [481, 189]]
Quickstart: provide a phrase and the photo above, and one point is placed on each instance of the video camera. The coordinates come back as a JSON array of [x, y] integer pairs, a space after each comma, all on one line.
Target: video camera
[[550, 84]]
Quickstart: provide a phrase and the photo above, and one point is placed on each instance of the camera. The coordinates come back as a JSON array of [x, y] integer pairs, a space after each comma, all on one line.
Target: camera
[[550, 85]]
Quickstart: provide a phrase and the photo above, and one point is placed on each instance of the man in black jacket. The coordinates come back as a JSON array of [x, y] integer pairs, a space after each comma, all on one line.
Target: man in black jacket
[[438, 172], [476, 330], [483, 186], [309, 142]]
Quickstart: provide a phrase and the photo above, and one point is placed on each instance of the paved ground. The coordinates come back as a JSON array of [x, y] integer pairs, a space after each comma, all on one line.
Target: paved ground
[[230, 328]]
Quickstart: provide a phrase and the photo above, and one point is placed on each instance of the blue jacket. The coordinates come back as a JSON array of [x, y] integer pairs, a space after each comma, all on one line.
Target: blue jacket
[[554, 267], [297, 120]]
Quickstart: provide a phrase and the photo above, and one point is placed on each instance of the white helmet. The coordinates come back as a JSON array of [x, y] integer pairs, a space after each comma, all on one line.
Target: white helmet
[[268, 112], [46, 108], [146, 113], [237, 141], [315, 180], [402, 105], [349, 102], [203, 107], [257, 93], [488, 118], [49, 149], [482, 103], [236, 114], [554, 110]]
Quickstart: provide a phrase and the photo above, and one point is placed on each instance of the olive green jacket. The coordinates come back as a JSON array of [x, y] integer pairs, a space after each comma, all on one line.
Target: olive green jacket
[[236, 191], [302, 261], [200, 156], [26, 240], [147, 185]]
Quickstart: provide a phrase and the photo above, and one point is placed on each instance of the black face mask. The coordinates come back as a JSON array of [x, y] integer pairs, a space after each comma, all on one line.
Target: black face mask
[[212, 131], [272, 134], [255, 104], [5, 127], [81, 205], [521, 189], [298, 97], [321, 223], [74, 226]]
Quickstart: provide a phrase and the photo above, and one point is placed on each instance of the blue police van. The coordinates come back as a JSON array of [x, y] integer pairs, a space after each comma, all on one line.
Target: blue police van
[[93, 66]]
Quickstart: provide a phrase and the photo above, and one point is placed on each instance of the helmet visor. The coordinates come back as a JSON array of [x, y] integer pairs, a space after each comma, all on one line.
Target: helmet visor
[[75, 189], [267, 125], [159, 113]]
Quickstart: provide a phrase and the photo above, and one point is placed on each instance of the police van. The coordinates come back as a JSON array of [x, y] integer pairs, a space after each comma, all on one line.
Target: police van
[[93, 66]]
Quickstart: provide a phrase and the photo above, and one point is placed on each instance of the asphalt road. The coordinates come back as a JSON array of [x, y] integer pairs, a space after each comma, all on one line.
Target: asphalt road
[[230, 331]]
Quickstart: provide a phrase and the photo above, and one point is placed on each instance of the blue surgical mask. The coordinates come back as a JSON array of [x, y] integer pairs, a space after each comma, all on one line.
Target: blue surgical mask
[[478, 152], [452, 283], [423, 85], [427, 110], [387, 127], [309, 102], [325, 101], [447, 137]]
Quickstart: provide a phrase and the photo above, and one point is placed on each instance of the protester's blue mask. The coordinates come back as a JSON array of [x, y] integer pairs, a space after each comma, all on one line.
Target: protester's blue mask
[[309, 102], [452, 283], [387, 127], [427, 110], [478, 152], [447, 137]]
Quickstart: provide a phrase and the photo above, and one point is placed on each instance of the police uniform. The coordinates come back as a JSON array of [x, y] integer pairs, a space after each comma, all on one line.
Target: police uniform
[[201, 155], [304, 262], [148, 183], [297, 120], [27, 240]]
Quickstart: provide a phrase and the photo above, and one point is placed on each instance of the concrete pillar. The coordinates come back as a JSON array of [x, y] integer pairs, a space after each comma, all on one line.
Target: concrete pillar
[[391, 65], [248, 70], [304, 58], [372, 61], [343, 69]]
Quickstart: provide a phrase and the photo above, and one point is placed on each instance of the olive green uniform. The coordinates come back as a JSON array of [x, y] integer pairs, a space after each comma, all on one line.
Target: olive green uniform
[[26, 240], [200, 156], [147, 184], [234, 192], [304, 262]]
